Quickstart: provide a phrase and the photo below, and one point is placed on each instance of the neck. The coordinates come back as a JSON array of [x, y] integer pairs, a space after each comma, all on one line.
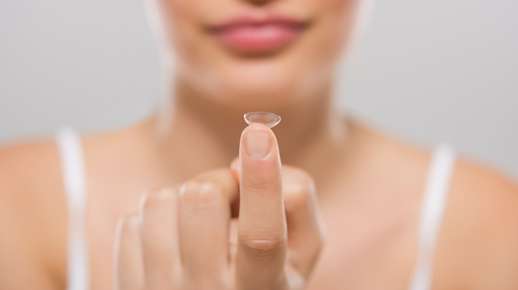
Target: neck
[[202, 135]]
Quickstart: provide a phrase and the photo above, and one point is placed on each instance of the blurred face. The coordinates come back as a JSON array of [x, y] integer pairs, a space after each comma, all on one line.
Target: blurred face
[[256, 53]]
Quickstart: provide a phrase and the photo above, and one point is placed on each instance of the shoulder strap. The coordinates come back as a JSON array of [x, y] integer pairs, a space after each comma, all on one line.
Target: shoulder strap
[[434, 203], [71, 153]]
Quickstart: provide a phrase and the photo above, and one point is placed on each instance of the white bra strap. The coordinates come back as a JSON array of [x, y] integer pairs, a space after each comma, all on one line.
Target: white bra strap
[[69, 144], [433, 206]]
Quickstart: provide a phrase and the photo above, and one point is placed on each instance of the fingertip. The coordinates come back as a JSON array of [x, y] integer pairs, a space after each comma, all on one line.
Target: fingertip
[[259, 166], [258, 142]]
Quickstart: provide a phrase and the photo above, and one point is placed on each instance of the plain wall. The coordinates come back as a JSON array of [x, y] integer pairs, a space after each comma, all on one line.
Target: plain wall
[[429, 71]]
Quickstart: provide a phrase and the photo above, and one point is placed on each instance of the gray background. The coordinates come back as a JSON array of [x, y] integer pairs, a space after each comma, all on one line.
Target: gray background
[[429, 71]]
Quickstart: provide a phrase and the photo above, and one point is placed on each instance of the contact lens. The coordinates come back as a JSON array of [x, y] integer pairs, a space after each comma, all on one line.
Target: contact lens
[[266, 118]]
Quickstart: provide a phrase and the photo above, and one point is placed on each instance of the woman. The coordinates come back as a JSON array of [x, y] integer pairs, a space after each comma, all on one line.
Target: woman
[[350, 208]]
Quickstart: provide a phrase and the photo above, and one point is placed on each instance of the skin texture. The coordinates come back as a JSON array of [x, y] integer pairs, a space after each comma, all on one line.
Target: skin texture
[[335, 206]]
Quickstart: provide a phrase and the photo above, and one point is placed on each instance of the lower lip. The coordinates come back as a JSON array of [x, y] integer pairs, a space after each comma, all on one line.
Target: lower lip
[[261, 39]]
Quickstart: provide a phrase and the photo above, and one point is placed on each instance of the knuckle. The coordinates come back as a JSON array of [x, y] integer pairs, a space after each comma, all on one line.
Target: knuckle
[[156, 199], [299, 173], [254, 184], [261, 172], [200, 194], [261, 182], [305, 179], [262, 245], [214, 175], [316, 255], [298, 195], [320, 242], [222, 179], [299, 189], [298, 199], [128, 225]]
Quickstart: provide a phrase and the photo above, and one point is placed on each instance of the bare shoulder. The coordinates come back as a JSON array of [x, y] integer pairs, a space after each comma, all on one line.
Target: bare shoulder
[[32, 214], [33, 205], [479, 237]]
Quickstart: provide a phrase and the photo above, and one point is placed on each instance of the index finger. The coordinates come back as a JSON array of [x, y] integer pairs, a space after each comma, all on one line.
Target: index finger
[[261, 249]]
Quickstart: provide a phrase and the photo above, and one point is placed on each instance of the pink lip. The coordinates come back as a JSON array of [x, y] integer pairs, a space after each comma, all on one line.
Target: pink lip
[[254, 36]]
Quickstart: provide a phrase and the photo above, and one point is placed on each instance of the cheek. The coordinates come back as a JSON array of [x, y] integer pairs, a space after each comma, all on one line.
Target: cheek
[[340, 18], [178, 18], [330, 36], [188, 14], [183, 22]]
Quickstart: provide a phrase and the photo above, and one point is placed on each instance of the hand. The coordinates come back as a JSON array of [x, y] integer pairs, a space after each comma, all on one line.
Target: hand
[[180, 238]]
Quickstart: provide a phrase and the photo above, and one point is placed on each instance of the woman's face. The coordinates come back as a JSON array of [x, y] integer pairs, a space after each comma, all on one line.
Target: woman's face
[[259, 54]]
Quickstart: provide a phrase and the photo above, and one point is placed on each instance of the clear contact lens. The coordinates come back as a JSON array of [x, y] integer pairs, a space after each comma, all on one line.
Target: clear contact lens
[[266, 118]]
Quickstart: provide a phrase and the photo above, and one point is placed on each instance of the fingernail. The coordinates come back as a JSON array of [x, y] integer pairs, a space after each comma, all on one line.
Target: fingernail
[[258, 143]]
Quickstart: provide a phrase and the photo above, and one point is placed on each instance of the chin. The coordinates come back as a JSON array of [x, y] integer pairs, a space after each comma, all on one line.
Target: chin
[[258, 92], [261, 84], [253, 96], [265, 85]]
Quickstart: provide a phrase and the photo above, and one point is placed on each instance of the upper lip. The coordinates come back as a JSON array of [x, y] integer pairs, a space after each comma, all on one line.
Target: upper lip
[[244, 20]]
